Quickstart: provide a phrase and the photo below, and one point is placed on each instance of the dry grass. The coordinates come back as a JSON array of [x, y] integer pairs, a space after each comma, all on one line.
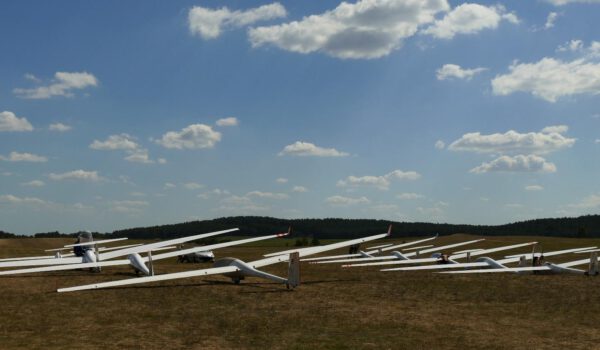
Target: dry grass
[[333, 308]]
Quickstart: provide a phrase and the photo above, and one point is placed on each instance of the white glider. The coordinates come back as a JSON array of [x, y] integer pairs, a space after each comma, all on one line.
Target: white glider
[[368, 254], [91, 256], [138, 262], [237, 269], [487, 262], [398, 256]]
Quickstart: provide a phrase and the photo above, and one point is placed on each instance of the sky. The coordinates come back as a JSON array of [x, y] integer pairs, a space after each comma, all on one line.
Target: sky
[[121, 114]]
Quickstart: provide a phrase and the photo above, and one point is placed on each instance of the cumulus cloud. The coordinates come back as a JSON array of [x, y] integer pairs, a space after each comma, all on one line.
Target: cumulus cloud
[[10, 199], [514, 142], [140, 155], [439, 144], [341, 201], [33, 183], [267, 195], [209, 23], [24, 157], [125, 142], [10, 122], [449, 71], [63, 84], [83, 175], [195, 136], [572, 45], [193, 186], [299, 189], [519, 163], [240, 204], [301, 148], [550, 20], [409, 196], [60, 127], [469, 19], [589, 202], [128, 206], [169, 185], [115, 142], [281, 180], [550, 78], [381, 182], [363, 30], [566, 2], [231, 121], [560, 129], [534, 188]]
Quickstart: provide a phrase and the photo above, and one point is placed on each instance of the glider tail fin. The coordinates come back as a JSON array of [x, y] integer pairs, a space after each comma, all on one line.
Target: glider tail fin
[[294, 270], [523, 261], [593, 268], [399, 255]]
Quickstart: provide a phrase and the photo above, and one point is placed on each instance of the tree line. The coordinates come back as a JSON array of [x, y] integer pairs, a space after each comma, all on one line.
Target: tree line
[[330, 228]]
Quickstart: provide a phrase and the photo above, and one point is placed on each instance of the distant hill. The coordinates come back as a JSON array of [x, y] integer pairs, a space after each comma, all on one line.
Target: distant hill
[[583, 226]]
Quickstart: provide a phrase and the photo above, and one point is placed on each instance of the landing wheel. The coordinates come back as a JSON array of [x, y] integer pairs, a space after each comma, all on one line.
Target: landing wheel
[[237, 280]]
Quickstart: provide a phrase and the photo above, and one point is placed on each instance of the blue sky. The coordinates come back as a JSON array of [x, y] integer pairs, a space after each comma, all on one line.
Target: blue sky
[[118, 114]]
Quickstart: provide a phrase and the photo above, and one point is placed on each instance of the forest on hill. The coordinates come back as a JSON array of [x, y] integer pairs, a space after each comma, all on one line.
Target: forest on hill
[[583, 226]]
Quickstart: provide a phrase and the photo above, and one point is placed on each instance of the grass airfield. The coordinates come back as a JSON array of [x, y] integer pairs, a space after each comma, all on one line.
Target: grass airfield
[[358, 308]]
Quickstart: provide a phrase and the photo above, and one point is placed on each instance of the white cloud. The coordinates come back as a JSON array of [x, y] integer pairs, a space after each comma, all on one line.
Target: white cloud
[[231, 121], [128, 206], [63, 85], [550, 79], [281, 180], [381, 182], [550, 20], [10, 199], [141, 156], [436, 211], [60, 127], [77, 175], [10, 122], [268, 195], [469, 19], [566, 2], [32, 77], [301, 148], [115, 142], [127, 143], [340, 201], [299, 189], [33, 183], [195, 136], [208, 23], [518, 163], [439, 144], [559, 129], [169, 185], [514, 205], [572, 45], [240, 204], [215, 192], [409, 196], [534, 188], [589, 202], [366, 29], [24, 157], [449, 71], [193, 186], [513, 142]]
